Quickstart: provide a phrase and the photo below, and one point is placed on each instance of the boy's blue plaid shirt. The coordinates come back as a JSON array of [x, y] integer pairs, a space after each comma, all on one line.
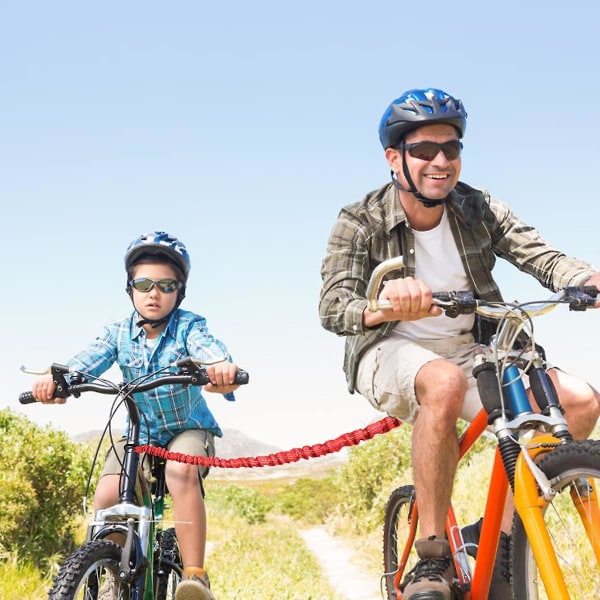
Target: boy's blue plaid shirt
[[167, 410]]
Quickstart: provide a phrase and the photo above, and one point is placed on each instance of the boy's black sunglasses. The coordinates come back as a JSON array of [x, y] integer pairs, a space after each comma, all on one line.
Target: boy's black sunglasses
[[429, 150], [143, 284]]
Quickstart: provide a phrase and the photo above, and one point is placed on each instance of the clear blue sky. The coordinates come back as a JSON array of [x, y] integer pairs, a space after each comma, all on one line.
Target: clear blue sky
[[242, 128]]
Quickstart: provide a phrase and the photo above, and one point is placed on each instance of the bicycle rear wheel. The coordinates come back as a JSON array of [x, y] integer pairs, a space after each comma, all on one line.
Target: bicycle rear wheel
[[396, 536], [91, 573], [571, 469]]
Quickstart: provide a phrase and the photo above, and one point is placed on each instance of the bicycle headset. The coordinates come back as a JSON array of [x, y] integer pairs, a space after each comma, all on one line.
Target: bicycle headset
[[414, 109], [153, 246]]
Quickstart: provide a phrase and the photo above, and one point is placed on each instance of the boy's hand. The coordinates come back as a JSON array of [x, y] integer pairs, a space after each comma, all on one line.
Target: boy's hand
[[222, 376], [43, 391]]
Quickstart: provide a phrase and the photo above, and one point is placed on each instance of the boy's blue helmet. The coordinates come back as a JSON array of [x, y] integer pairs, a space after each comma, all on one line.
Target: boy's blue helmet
[[161, 245], [416, 108]]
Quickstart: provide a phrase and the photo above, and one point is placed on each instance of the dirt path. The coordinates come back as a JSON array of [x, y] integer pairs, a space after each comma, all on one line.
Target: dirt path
[[339, 567]]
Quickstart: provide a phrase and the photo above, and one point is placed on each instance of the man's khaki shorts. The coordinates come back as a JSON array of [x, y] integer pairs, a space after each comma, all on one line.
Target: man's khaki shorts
[[387, 372]]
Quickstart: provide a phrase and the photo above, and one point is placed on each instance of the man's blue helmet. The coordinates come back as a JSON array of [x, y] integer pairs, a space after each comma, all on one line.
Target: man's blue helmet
[[416, 108]]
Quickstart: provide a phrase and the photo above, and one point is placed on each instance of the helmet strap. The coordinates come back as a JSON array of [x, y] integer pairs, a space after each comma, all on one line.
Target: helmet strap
[[143, 321]]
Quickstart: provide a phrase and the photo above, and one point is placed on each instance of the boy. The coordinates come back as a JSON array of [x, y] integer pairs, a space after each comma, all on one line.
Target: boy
[[155, 335]]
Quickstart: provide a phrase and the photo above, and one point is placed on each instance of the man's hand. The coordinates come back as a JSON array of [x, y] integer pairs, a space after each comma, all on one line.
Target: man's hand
[[410, 300]]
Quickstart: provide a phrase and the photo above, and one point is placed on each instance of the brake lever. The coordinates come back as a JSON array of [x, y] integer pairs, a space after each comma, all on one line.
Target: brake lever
[[456, 303], [58, 377]]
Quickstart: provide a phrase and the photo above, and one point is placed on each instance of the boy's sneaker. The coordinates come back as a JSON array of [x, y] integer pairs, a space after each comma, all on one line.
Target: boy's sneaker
[[194, 586], [431, 578], [501, 586]]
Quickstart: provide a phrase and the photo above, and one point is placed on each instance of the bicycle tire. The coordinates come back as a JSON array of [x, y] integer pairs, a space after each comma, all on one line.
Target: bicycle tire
[[169, 567], [89, 573], [564, 466], [395, 535]]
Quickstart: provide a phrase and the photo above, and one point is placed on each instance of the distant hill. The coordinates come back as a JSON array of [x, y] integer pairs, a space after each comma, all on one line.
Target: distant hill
[[233, 444], [94, 434], [236, 444]]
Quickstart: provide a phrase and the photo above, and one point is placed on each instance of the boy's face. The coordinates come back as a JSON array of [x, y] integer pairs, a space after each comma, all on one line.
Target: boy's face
[[154, 304]]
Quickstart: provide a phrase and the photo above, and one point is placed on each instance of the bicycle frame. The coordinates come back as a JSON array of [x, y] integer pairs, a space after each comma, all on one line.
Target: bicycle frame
[[474, 585]]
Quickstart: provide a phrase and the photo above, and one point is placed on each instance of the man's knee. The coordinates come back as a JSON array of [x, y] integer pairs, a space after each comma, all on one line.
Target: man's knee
[[441, 383], [575, 393], [579, 400]]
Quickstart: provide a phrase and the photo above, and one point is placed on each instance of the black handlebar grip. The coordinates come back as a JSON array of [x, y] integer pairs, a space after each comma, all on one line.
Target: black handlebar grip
[[27, 398], [590, 290], [241, 377]]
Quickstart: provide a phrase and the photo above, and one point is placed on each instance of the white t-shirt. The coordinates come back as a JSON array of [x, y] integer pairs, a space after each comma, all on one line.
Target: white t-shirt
[[439, 265]]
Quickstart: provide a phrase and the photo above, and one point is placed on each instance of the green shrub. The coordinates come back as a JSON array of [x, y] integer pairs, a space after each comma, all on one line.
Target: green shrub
[[242, 501], [374, 468], [310, 501], [42, 480], [377, 467]]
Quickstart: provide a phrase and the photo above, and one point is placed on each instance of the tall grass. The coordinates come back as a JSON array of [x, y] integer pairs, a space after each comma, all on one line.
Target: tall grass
[[20, 580], [256, 550], [267, 561]]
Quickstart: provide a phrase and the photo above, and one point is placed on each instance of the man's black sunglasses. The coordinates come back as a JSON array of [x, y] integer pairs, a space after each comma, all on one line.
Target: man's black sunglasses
[[143, 284], [429, 150]]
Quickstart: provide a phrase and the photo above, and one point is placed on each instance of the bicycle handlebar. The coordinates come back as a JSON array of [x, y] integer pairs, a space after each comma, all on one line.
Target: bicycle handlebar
[[455, 303], [189, 373]]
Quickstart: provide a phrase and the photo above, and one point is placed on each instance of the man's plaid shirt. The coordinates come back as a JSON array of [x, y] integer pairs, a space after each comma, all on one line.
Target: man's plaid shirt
[[376, 229]]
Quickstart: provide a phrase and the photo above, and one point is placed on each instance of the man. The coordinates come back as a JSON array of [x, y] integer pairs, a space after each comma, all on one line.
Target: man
[[412, 361]]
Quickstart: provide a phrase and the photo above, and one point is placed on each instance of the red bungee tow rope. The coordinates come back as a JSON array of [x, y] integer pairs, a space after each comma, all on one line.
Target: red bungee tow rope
[[280, 458]]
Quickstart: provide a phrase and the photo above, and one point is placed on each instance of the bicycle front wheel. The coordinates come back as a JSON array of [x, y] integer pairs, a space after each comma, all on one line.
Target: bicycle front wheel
[[397, 537], [574, 473], [169, 567], [91, 573]]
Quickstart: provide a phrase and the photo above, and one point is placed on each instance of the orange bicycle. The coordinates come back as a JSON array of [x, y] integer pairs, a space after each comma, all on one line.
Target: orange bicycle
[[555, 549]]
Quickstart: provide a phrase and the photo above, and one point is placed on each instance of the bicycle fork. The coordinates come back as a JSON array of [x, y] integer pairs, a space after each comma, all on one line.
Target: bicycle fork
[[509, 407], [136, 568], [531, 502]]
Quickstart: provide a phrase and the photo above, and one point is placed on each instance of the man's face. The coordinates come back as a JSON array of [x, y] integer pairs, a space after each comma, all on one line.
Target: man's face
[[434, 178]]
